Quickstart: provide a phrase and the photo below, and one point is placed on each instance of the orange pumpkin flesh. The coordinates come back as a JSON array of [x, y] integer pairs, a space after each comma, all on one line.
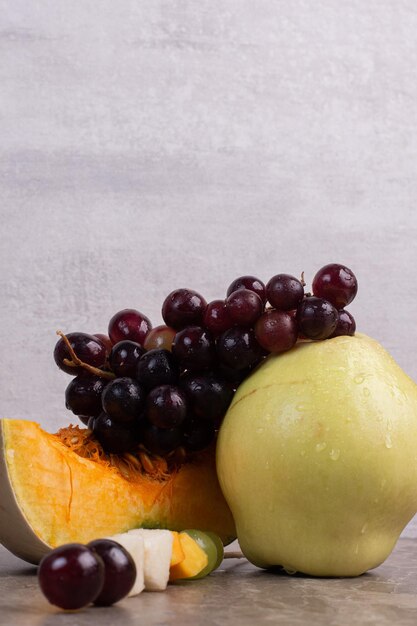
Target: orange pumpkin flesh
[[50, 495]]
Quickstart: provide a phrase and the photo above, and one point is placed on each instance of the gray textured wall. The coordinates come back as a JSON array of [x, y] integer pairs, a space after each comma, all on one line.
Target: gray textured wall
[[147, 145]]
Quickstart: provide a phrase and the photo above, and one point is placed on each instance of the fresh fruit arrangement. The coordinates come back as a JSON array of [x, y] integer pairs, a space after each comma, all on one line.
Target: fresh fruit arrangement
[[165, 391], [322, 418], [107, 570]]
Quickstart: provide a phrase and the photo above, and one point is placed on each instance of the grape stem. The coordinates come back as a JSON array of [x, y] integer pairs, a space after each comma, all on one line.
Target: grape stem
[[234, 555], [76, 362]]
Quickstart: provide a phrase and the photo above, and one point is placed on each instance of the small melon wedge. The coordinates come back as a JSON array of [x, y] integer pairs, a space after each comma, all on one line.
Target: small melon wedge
[[134, 544], [158, 554], [177, 552], [195, 559]]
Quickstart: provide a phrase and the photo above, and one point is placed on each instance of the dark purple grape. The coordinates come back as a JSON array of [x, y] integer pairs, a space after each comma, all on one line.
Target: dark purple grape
[[160, 441], [166, 406], [248, 282], [71, 576], [335, 283], [217, 318], [316, 318], [208, 396], [193, 347], [83, 395], [157, 367], [284, 292], [237, 348], [183, 307], [123, 399], [198, 434], [124, 357], [129, 324], [346, 324], [119, 571], [160, 337], [88, 349], [276, 331], [115, 437], [244, 307]]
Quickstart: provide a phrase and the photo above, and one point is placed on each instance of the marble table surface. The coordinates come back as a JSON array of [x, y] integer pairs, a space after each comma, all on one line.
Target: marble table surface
[[237, 593]]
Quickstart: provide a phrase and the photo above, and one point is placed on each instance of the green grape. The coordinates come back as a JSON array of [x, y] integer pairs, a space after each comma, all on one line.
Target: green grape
[[220, 548], [212, 546]]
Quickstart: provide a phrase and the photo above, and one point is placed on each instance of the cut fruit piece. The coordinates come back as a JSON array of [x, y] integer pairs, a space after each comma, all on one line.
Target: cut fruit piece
[[195, 559], [177, 552], [158, 553], [134, 544], [50, 495]]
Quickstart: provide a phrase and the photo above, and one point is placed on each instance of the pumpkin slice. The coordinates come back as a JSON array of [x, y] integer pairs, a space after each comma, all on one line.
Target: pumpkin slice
[[50, 495]]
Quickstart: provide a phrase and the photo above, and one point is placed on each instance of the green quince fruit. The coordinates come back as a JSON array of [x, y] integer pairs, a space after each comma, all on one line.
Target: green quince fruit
[[317, 457]]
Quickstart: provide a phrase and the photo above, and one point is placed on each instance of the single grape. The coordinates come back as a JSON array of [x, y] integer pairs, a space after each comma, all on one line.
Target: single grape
[[193, 347], [248, 282], [83, 395], [71, 576], [119, 571], [217, 317], [157, 367], [284, 292], [123, 399], [183, 307], [124, 357], [160, 337], [198, 434], [276, 331], [129, 324], [88, 349], [244, 307], [160, 441], [208, 395], [166, 406], [238, 348], [346, 324], [212, 546], [115, 437], [335, 283], [316, 318]]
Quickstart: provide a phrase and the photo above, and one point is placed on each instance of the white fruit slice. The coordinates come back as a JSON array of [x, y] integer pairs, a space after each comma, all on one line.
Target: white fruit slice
[[134, 544], [158, 552]]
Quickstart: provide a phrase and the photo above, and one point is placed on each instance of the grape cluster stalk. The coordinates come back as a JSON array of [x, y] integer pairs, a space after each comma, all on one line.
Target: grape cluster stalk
[[166, 389]]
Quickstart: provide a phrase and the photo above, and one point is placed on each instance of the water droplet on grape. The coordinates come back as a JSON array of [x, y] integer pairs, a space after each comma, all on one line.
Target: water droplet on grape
[[334, 454], [321, 446]]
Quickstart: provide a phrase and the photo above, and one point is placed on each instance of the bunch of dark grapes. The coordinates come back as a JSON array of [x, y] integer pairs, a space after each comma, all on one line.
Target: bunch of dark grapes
[[168, 388]]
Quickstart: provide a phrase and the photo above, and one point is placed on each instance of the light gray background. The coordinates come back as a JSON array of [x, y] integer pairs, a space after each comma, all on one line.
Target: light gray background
[[149, 145]]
